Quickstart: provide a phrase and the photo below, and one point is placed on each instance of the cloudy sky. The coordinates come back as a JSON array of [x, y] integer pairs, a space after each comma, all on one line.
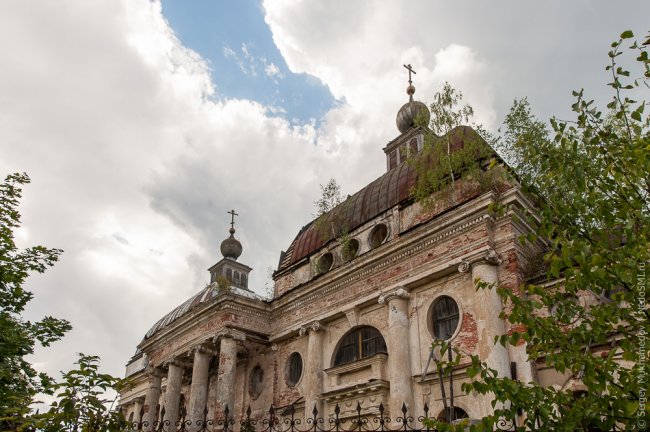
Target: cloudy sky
[[142, 123]]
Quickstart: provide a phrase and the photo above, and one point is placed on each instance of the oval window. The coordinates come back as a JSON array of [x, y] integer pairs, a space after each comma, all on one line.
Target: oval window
[[324, 263], [294, 369], [445, 317], [378, 235], [350, 249], [257, 379]]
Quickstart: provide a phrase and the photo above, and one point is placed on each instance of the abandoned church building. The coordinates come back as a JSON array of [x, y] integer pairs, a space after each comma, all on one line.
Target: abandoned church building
[[354, 313]]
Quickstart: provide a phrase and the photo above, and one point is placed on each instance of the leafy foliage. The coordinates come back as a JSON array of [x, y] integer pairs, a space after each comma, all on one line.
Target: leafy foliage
[[329, 222], [82, 404], [330, 197], [19, 382], [590, 179], [444, 159]]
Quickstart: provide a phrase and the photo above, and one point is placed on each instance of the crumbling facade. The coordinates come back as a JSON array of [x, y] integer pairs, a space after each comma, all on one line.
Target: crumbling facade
[[355, 311]]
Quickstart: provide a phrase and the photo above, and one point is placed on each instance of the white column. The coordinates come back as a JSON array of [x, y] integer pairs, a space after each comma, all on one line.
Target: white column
[[488, 308], [399, 351], [226, 376], [137, 407], [488, 323], [199, 387], [173, 394], [314, 369], [152, 398]]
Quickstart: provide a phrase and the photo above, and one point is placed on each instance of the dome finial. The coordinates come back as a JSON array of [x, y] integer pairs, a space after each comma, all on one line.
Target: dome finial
[[410, 90], [232, 221], [412, 110], [230, 247]]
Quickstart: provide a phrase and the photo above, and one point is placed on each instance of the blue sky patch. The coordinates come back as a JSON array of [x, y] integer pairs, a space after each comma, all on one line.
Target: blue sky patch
[[245, 62]]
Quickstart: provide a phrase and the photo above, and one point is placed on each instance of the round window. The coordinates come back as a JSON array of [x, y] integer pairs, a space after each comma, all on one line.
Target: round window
[[444, 318], [378, 235], [256, 382], [350, 249], [324, 263], [294, 369]]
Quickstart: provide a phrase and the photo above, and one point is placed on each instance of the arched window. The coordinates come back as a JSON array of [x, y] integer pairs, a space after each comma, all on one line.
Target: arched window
[[236, 277], [458, 414], [359, 343], [244, 281], [444, 316], [229, 274]]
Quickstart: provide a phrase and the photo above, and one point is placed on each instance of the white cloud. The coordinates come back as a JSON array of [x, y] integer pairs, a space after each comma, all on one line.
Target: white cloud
[[270, 69]]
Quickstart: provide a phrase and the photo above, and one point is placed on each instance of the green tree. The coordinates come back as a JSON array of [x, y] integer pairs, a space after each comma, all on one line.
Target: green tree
[[83, 403], [590, 180], [444, 159], [19, 382]]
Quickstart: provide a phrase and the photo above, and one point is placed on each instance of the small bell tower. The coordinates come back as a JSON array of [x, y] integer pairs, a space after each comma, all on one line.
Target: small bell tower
[[234, 272]]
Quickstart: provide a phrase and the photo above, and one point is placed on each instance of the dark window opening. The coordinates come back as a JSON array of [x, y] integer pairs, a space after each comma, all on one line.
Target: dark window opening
[[413, 146], [229, 274], [392, 160], [378, 235], [294, 369], [350, 249], [244, 280], [360, 343], [257, 379], [324, 263], [445, 318], [458, 413]]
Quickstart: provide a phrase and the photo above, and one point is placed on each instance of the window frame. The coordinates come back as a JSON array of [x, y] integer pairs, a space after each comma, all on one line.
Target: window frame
[[291, 382], [433, 317], [256, 382], [359, 346]]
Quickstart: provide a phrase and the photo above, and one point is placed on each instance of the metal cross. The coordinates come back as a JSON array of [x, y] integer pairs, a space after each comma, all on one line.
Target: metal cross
[[410, 69], [233, 214]]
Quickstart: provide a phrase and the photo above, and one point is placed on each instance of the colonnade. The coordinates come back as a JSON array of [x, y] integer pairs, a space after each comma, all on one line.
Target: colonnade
[[198, 396]]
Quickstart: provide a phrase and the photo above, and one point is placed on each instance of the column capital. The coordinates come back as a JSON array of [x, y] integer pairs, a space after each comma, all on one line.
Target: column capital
[[313, 326], [154, 371], [396, 293], [176, 362], [202, 349], [230, 334], [486, 256]]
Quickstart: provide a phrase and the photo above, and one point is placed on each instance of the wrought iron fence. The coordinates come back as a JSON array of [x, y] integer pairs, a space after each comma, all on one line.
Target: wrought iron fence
[[288, 422]]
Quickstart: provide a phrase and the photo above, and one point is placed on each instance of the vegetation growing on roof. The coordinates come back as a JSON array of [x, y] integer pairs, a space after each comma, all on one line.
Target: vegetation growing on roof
[[449, 153]]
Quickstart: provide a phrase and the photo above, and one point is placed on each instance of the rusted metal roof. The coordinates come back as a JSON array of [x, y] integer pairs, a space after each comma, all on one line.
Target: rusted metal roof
[[390, 189]]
